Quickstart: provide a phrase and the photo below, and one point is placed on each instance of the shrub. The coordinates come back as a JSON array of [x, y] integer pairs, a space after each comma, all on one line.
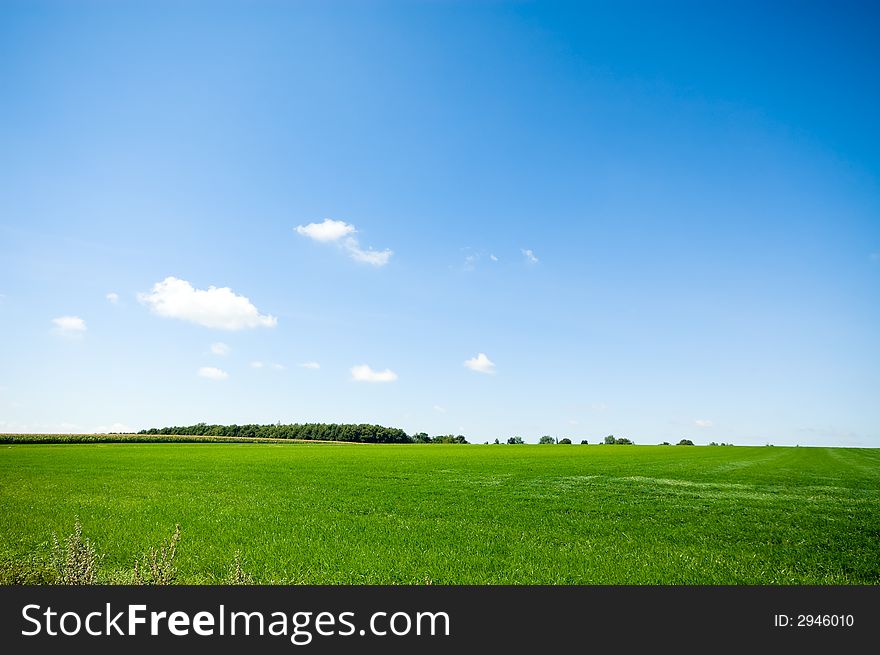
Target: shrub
[[685, 442], [237, 574], [157, 568], [515, 440], [75, 562], [566, 441], [584, 442], [546, 439]]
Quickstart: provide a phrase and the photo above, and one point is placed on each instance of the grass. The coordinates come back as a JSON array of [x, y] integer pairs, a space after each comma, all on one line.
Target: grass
[[410, 514]]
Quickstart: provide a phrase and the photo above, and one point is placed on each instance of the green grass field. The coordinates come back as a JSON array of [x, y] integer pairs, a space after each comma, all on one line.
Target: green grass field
[[410, 514]]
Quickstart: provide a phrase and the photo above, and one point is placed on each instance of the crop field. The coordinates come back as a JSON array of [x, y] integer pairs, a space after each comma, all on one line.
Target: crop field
[[438, 514]]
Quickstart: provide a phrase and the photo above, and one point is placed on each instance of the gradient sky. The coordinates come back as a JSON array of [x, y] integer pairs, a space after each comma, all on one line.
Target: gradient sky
[[657, 220]]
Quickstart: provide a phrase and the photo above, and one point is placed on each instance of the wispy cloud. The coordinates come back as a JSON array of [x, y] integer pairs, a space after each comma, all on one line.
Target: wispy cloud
[[279, 367], [530, 256], [257, 365], [703, 423], [311, 365], [341, 233], [481, 364], [219, 348], [363, 373], [70, 326], [214, 307], [213, 373], [439, 409], [472, 259], [113, 297]]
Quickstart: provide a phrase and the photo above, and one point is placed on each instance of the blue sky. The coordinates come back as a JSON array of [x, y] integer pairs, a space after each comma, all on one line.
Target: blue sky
[[657, 220]]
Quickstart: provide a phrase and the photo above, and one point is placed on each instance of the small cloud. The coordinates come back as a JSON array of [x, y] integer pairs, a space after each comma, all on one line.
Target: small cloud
[[69, 325], [312, 365], [480, 364], [278, 367], [221, 349], [470, 262], [330, 231], [214, 307], [369, 256], [438, 408], [112, 297], [493, 258], [213, 373], [257, 364], [364, 373], [703, 423], [530, 256]]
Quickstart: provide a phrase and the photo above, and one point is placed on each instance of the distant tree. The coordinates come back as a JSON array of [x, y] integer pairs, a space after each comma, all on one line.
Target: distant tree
[[685, 442], [712, 443], [515, 440], [546, 439], [449, 438], [565, 441], [496, 441], [610, 439], [584, 442], [665, 443], [421, 437], [623, 441]]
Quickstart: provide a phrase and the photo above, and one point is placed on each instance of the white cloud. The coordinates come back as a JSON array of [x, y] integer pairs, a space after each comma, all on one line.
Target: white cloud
[[69, 325], [369, 256], [480, 364], [213, 307], [364, 373], [493, 258], [530, 256], [213, 373], [312, 365], [220, 348], [438, 408], [330, 231], [257, 364], [278, 367], [112, 297], [703, 423]]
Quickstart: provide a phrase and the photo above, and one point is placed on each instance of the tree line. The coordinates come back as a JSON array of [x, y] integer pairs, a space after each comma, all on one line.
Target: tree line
[[351, 432]]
